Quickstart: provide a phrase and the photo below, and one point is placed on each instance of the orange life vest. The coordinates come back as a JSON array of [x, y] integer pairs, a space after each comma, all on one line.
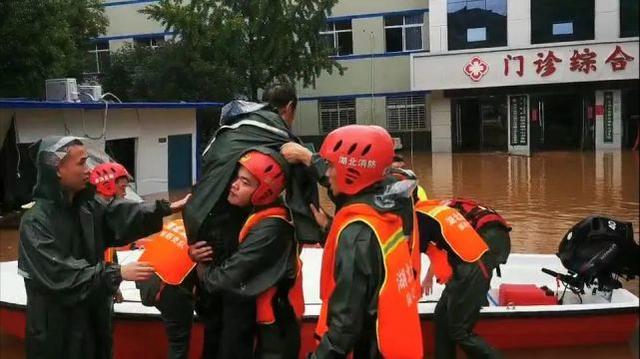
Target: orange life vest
[[398, 322], [168, 252], [264, 307], [463, 240]]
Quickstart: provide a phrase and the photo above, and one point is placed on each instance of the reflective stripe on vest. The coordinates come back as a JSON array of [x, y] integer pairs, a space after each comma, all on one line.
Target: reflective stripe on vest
[[264, 307], [422, 194], [109, 255], [463, 240], [398, 323], [168, 252]]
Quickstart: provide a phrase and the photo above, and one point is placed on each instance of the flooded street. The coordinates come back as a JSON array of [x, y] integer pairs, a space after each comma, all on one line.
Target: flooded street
[[541, 197]]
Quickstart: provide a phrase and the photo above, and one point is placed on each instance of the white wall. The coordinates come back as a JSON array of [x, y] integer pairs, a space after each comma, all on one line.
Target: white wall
[[354, 7], [126, 20], [147, 125]]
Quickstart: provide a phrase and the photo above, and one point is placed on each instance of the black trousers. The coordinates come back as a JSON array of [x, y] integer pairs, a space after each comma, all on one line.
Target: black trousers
[[229, 326], [176, 309], [458, 310], [280, 340]]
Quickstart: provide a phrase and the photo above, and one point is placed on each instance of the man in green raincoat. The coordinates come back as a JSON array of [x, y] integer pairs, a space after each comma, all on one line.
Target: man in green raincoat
[[68, 284]]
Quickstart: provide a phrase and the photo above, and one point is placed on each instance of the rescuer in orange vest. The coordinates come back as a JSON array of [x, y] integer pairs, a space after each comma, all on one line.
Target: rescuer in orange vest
[[266, 265], [132, 221], [111, 180], [464, 242], [369, 307]]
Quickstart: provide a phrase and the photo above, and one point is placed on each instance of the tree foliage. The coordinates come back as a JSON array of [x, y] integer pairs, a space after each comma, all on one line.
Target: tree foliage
[[255, 41], [167, 73], [44, 39]]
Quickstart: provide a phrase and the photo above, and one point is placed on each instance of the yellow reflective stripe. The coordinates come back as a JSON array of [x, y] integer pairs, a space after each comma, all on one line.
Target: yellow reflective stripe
[[393, 243], [437, 210], [422, 194]]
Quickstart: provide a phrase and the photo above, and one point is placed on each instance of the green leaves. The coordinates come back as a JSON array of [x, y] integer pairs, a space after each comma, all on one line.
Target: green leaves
[[168, 73], [255, 40], [45, 39]]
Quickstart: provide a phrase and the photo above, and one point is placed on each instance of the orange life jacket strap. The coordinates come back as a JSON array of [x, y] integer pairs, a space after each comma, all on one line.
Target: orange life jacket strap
[[109, 255], [264, 301]]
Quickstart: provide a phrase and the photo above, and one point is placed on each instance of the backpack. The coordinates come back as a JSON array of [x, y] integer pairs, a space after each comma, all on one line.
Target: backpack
[[483, 219]]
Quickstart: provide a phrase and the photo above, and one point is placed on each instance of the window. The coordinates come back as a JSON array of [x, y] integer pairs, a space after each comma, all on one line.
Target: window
[[558, 21], [149, 41], [406, 113], [403, 33], [473, 24], [338, 36], [336, 113], [98, 58], [629, 18]]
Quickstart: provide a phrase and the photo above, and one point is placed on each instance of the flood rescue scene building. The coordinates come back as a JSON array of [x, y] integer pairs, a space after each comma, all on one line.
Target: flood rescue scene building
[[278, 179]]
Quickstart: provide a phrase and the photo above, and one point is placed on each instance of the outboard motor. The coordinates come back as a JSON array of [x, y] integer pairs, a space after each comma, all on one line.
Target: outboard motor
[[598, 251]]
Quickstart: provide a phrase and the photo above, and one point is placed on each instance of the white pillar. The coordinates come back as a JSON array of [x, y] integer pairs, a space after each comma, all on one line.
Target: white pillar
[[440, 122], [518, 23], [438, 26], [607, 20]]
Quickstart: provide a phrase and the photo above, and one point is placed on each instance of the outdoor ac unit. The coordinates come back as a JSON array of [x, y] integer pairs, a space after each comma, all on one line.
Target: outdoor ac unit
[[89, 92], [62, 90]]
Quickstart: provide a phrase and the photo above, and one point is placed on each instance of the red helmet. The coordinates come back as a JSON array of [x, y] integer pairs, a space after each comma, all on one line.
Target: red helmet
[[269, 174], [360, 155], [104, 177]]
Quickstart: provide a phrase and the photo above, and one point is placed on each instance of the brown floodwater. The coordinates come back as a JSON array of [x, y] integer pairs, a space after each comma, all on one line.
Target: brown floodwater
[[540, 196]]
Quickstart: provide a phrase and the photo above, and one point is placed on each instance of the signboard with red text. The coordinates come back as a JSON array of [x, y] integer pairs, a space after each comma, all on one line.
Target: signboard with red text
[[579, 62]]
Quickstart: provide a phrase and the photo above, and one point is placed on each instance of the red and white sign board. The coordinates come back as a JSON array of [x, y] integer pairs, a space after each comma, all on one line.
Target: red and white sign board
[[579, 62]]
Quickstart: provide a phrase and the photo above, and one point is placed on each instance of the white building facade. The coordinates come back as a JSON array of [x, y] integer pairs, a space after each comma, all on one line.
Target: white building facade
[[372, 39], [529, 75], [462, 75]]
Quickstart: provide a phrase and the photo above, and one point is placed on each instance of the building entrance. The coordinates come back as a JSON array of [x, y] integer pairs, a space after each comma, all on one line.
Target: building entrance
[[480, 124], [562, 122]]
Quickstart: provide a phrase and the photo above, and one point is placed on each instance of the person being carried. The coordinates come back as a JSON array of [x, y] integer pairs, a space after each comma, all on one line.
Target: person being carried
[[209, 217], [266, 266]]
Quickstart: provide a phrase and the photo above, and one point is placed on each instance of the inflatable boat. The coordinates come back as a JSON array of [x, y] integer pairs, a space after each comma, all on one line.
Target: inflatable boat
[[587, 319]]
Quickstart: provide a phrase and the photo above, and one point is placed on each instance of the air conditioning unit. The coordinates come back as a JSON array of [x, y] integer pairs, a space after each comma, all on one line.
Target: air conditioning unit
[[89, 92], [62, 90]]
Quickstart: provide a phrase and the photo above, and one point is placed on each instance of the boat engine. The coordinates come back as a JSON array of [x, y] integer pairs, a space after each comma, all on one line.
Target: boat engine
[[597, 252]]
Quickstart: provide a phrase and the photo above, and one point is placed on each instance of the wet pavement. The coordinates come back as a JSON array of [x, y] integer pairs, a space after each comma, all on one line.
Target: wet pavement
[[540, 196]]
